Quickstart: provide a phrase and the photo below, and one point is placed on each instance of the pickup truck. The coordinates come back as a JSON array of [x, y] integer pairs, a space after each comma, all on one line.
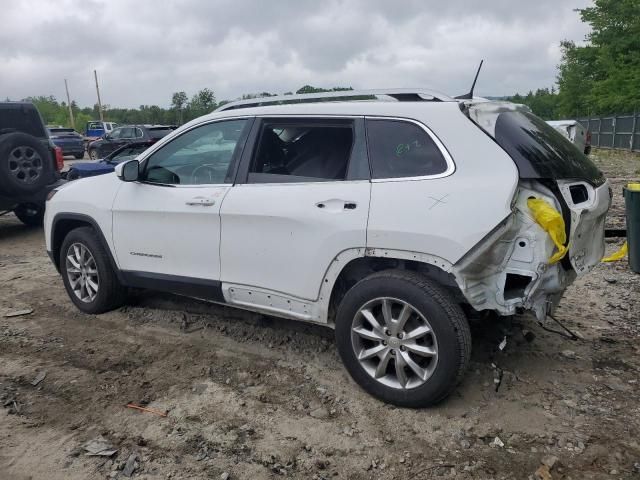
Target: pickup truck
[[95, 129]]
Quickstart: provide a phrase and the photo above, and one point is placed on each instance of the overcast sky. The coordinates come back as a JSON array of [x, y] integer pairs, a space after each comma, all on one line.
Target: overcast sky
[[146, 49]]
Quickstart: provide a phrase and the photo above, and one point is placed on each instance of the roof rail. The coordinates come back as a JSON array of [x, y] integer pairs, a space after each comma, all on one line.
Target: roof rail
[[399, 94]]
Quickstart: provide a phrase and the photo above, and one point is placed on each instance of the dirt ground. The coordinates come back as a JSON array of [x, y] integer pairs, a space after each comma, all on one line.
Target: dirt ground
[[250, 397]]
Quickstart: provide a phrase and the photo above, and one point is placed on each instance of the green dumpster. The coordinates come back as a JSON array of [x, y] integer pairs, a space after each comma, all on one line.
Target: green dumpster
[[632, 203]]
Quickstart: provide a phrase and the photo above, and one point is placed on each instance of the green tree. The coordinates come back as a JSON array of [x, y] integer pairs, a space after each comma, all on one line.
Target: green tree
[[178, 102], [603, 76]]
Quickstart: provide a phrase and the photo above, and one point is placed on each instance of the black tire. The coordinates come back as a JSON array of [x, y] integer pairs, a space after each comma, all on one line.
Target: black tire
[[93, 154], [30, 214], [26, 164], [79, 156], [110, 293], [446, 319], [72, 175]]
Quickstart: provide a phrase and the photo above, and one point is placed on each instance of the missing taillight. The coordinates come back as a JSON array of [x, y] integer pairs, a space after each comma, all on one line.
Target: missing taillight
[[579, 194]]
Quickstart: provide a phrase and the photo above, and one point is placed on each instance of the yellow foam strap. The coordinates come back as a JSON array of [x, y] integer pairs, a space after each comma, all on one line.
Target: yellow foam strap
[[552, 222], [619, 255]]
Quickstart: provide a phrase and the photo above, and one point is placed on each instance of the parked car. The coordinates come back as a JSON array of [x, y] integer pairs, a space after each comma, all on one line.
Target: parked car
[[96, 129], [127, 134], [577, 133], [107, 164], [29, 162], [392, 222], [70, 141]]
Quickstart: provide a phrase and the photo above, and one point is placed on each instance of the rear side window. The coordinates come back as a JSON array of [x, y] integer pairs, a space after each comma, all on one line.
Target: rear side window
[[301, 151], [402, 149], [540, 151]]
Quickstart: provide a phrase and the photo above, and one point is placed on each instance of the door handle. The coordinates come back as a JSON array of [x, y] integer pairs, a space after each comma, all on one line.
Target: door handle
[[336, 205], [201, 202]]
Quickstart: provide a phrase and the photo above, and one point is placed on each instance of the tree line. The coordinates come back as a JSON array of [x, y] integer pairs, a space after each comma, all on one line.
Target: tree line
[[182, 109], [603, 75]]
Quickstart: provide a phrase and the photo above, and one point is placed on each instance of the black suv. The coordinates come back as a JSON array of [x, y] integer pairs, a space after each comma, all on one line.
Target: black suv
[[123, 135], [30, 163]]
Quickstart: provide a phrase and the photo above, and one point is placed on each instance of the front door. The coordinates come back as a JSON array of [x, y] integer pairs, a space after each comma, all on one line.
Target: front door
[[302, 199], [168, 223]]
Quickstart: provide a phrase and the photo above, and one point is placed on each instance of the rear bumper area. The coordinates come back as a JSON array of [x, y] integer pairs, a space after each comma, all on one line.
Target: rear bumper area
[[39, 197], [510, 268]]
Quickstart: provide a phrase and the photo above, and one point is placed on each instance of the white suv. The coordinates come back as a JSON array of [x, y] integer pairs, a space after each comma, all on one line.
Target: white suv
[[390, 216]]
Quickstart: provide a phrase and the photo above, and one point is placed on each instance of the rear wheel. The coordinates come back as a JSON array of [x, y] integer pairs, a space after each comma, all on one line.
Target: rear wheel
[[30, 214], [402, 338], [89, 278], [93, 154], [79, 156]]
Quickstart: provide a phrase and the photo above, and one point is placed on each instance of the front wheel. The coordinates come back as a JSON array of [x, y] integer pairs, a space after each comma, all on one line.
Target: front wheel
[[402, 338], [89, 278]]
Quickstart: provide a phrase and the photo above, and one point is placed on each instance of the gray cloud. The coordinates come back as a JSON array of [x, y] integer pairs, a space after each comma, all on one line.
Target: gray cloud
[[145, 50]]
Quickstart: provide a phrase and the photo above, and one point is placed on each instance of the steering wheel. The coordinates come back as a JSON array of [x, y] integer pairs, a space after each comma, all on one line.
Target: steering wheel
[[203, 174]]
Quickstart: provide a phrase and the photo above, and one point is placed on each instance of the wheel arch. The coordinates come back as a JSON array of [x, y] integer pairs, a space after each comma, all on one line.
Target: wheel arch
[[63, 223], [337, 282]]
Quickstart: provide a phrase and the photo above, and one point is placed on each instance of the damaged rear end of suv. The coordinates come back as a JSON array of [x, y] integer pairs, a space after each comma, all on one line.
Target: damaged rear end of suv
[[519, 266]]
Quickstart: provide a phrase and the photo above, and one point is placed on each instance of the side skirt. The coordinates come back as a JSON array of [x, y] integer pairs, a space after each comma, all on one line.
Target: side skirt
[[187, 286]]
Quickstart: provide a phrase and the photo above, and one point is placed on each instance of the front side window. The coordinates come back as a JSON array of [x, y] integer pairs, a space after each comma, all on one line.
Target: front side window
[[303, 151], [402, 149], [202, 155]]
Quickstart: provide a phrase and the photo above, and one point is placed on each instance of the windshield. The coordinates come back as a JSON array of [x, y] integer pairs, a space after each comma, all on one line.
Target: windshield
[[540, 151], [62, 131]]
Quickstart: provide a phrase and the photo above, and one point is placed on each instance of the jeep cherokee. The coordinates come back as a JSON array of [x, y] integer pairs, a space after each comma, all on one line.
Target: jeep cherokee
[[390, 216]]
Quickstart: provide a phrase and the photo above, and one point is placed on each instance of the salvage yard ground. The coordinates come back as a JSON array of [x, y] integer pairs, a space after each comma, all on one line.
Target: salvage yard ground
[[251, 397]]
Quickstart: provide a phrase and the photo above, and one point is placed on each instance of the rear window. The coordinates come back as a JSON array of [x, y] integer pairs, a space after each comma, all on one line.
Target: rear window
[[59, 131], [21, 118], [402, 149], [157, 133], [540, 151]]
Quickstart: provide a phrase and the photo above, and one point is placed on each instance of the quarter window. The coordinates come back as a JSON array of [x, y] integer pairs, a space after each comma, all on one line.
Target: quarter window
[[402, 149], [300, 151], [202, 155]]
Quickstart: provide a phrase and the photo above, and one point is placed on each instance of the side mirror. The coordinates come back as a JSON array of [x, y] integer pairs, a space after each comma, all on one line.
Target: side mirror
[[128, 171]]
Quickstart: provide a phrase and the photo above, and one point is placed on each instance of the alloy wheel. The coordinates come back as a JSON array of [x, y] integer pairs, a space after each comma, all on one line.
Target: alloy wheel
[[394, 343], [82, 272]]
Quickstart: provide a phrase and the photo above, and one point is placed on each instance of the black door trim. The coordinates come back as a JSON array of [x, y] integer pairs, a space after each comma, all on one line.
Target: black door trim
[[187, 286]]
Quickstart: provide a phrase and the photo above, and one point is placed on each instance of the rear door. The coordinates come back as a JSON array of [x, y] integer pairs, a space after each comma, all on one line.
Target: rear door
[[302, 198]]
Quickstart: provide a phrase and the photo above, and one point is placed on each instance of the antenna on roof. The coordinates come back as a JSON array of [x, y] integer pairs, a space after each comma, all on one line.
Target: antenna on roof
[[473, 85]]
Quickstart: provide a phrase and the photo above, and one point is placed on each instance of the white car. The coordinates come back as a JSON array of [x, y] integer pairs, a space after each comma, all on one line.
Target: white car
[[390, 216], [577, 134]]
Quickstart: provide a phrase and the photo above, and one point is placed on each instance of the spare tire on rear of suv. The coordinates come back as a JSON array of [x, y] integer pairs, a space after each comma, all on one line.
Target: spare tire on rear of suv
[[25, 164]]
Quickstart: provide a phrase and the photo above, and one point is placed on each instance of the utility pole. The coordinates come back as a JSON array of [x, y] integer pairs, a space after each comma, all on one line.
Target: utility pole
[[95, 74], [73, 122]]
